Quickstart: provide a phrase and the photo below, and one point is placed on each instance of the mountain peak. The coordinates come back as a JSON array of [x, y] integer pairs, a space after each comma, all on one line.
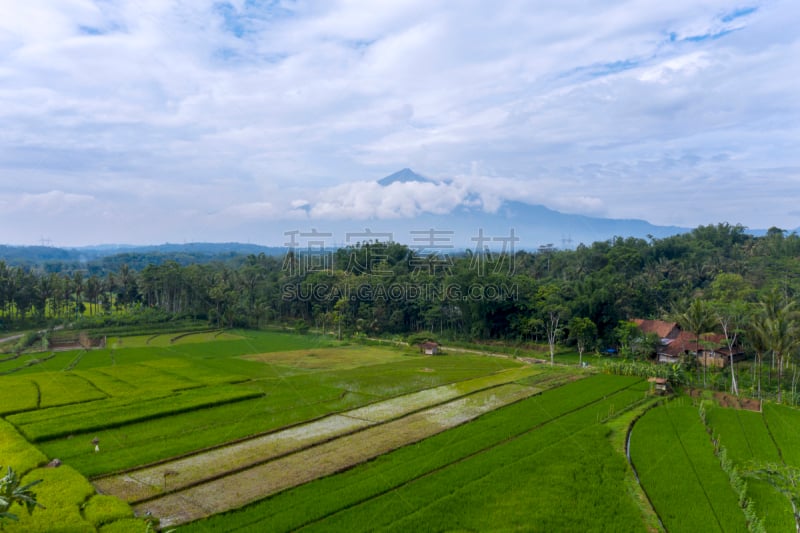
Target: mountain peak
[[404, 176]]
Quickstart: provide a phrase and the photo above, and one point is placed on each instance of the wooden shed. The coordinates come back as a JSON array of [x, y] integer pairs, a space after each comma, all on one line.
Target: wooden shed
[[429, 348], [659, 386]]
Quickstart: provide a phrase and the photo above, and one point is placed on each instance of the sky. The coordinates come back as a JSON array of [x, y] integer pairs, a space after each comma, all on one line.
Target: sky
[[150, 121]]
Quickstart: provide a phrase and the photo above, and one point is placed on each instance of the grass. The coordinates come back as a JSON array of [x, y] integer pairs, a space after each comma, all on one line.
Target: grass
[[59, 388], [552, 478], [17, 452], [316, 500], [171, 339], [618, 437], [216, 462], [130, 396], [784, 424], [290, 397], [18, 394], [102, 509], [70, 505], [47, 424], [330, 358], [743, 434], [552, 487], [251, 342], [306, 465], [748, 442], [675, 460]]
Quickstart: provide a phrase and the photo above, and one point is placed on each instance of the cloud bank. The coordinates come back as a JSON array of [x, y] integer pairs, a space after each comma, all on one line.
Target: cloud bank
[[148, 121]]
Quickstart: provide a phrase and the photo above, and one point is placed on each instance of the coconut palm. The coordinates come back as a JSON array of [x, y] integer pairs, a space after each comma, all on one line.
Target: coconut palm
[[12, 491], [778, 330], [698, 319]]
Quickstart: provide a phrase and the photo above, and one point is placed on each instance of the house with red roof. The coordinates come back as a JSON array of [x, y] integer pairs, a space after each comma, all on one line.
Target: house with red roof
[[676, 344]]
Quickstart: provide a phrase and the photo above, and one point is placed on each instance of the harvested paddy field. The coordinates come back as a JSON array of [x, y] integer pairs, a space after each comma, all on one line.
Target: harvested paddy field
[[307, 464], [329, 358]]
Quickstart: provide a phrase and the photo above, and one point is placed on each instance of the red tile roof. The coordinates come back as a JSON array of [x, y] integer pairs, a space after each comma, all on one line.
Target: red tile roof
[[659, 327], [686, 341]]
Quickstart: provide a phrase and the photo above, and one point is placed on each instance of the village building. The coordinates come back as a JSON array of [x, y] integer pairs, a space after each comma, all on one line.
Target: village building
[[429, 348], [676, 344]]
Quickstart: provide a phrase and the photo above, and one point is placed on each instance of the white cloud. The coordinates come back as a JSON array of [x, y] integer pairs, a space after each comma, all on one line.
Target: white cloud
[[50, 202], [616, 108]]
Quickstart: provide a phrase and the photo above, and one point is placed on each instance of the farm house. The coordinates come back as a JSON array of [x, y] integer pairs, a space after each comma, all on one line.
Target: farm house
[[676, 344]]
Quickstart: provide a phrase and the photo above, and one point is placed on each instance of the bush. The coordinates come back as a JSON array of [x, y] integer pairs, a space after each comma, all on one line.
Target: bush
[[62, 492]]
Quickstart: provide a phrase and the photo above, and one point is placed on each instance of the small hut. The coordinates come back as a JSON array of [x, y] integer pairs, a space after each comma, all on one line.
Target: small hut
[[429, 348], [659, 386]]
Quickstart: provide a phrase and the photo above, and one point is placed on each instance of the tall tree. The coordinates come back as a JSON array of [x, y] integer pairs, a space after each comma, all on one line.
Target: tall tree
[[780, 331], [584, 332], [697, 319], [552, 310], [731, 318]]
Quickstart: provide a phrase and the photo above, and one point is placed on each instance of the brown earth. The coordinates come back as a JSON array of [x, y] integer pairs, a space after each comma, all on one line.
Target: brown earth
[[729, 400]]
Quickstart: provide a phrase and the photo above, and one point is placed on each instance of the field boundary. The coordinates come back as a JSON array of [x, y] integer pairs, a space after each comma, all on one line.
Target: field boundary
[[302, 423], [633, 467], [471, 455], [167, 501], [326, 440]]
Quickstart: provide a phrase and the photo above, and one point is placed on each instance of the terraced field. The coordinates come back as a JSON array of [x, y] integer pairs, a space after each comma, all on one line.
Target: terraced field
[[149, 404], [258, 431], [674, 457], [299, 464], [513, 468]]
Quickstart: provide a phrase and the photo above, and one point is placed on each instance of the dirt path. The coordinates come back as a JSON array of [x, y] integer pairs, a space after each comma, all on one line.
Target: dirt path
[[324, 459], [20, 335], [532, 360]]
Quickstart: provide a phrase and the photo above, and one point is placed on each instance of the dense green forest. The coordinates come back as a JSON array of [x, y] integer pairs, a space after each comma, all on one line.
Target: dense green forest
[[377, 288]]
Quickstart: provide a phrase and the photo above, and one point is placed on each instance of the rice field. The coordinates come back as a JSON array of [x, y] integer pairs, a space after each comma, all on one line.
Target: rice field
[[675, 460], [267, 431], [385, 492]]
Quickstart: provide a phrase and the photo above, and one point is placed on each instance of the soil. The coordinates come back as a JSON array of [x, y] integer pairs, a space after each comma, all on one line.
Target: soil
[[729, 400]]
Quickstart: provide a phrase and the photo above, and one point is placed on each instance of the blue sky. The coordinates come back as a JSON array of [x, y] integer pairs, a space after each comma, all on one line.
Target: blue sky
[[155, 120]]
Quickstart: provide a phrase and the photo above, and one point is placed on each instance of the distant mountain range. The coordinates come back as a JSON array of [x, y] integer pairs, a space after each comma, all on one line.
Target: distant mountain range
[[404, 176], [113, 255], [534, 227]]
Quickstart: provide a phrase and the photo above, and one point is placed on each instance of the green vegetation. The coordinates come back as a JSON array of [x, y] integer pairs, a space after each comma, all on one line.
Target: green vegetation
[[14, 493], [17, 451], [784, 425], [153, 402], [101, 510], [47, 424], [674, 457], [68, 498], [553, 460], [552, 417], [744, 435]]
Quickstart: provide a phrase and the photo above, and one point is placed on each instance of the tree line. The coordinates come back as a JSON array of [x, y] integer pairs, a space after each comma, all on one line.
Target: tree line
[[377, 288]]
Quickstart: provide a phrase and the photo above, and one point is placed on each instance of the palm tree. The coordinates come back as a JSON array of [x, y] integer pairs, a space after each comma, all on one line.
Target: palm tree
[[12, 491], [779, 331], [697, 319], [759, 341]]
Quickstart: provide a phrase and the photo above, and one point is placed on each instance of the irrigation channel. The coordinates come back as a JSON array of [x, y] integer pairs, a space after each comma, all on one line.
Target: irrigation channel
[[224, 478]]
